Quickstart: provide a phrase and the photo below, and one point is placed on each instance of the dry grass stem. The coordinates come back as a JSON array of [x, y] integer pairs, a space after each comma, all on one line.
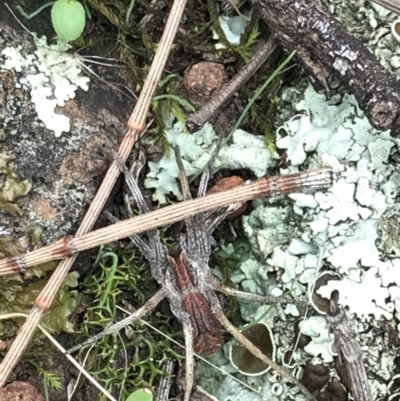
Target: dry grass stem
[[263, 187], [63, 351]]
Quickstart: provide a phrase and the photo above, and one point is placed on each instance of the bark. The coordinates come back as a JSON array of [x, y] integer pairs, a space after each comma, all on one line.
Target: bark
[[324, 47]]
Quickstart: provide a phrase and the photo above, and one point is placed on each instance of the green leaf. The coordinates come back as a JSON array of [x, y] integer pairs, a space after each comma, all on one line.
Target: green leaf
[[142, 394], [68, 18]]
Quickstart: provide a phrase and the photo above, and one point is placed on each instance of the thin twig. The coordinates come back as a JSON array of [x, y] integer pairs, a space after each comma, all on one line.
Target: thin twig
[[258, 354], [136, 123], [263, 187], [208, 111]]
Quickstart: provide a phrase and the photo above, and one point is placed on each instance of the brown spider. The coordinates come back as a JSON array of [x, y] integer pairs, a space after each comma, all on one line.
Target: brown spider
[[186, 281]]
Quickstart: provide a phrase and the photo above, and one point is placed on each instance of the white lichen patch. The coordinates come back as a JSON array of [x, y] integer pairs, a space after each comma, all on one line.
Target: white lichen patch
[[343, 221], [320, 347], [52, 76], [233, 28], [365, 297], [246, 151], [352, 230]]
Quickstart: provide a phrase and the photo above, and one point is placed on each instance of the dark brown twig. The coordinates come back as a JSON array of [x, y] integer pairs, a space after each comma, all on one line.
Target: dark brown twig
[[207, 112], [324, 47]]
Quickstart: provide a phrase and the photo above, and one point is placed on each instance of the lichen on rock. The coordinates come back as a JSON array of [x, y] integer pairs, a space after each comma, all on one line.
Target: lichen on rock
[[53, 76]]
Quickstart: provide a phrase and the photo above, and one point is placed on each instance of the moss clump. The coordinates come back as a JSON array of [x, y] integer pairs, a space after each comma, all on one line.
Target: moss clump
[[131, 359]]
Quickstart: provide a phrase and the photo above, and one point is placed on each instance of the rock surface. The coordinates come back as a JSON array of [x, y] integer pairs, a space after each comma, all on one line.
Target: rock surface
[[65, 171]]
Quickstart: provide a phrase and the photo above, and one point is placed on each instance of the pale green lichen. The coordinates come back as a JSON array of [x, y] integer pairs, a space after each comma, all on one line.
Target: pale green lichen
[[336, 228], [246, 151], [17, 297]]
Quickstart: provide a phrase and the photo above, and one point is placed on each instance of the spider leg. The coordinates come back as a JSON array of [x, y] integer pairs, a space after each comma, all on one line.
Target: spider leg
[[156, 253], [149, 306], [189, 359], [195, 241], [137, 241], [268, 299], [182, 175], [205, 177], [132, 184], [212, 219]]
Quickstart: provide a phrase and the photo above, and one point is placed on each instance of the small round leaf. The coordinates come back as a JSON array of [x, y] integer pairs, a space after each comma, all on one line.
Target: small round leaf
[[68, 18], [142, 394]]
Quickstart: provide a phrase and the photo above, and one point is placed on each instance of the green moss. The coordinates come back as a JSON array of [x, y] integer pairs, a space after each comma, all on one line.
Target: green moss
[[120, 279], [17, 293]]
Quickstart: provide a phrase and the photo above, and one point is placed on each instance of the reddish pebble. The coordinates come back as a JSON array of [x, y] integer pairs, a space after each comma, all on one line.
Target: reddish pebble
[[20, 391], [202, 80], [223, 185]]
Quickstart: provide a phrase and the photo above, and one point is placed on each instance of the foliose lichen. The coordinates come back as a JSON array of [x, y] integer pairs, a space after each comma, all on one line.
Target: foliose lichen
[[338, 228], [246, 151]]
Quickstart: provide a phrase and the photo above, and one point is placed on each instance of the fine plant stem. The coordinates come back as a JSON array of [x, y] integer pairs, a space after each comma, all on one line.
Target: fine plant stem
[[257, 94], [136, 123], [35, 13], [181, 101], [46, 390], [129, 12]]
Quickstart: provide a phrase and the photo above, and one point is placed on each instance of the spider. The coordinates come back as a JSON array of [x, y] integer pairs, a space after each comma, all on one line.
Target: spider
[[187, 283]]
